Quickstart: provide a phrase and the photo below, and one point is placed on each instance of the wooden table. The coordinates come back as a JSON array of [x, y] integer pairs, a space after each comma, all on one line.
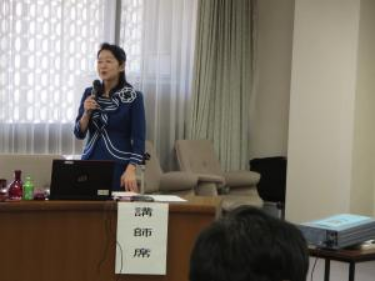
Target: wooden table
[[76, 241], [344, 255]]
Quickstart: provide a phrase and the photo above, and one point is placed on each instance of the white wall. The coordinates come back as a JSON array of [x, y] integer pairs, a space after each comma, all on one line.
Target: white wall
[[331, 146], [362, 193], [270, 107], [322, 108], [331, 141]]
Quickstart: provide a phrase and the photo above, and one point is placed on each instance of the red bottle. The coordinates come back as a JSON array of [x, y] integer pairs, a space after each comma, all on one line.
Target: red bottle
[[16, 187]]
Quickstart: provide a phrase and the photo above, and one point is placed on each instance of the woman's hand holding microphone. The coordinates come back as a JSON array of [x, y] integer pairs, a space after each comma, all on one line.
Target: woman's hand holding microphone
[[90, 105]]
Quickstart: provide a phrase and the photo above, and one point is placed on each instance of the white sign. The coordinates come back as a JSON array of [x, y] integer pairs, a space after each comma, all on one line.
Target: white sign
[[142, 230]]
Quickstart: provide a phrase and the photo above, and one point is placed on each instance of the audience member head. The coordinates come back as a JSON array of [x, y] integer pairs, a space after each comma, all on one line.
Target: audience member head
[[249, 245]]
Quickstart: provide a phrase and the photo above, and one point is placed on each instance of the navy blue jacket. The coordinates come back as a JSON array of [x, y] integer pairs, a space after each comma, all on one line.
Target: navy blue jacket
[[117, 130]]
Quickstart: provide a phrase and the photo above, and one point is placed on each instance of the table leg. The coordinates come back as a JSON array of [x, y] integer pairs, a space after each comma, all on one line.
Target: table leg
[[327, 268], [351, 271]]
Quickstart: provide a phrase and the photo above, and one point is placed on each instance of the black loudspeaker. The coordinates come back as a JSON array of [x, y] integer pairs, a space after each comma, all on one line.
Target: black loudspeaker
[[272, 184]]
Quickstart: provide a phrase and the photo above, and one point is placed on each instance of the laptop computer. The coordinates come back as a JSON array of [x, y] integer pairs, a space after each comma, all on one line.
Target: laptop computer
[[81, 180]]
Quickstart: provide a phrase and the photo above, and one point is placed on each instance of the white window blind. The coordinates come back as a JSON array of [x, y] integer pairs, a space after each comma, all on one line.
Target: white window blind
[[46, 47], [131, 33]]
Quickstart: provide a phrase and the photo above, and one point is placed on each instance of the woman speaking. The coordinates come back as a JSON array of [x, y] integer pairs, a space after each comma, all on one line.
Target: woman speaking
[[113, 115]]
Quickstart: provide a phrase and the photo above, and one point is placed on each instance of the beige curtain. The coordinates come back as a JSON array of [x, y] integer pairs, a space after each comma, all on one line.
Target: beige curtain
[[223, 78]]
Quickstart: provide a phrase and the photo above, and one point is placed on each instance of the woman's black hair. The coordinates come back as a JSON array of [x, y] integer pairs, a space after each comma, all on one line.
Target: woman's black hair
[[120, 56]]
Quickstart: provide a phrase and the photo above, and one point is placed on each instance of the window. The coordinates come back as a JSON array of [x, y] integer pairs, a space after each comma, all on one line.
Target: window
[[47, 57], [131, 30], [45, 47]]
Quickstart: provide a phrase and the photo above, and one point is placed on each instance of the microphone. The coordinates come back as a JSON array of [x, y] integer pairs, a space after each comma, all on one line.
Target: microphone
[[96, 85]]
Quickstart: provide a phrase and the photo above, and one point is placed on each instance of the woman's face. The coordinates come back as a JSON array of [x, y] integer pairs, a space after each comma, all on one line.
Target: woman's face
[[108, 66]]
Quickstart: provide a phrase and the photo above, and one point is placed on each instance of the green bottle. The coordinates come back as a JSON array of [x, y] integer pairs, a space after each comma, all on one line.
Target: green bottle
[[28, 189]]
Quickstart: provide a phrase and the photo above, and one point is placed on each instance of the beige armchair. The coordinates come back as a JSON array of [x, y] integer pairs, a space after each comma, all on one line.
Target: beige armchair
[[236, 187], [37, 166], [156, 181]]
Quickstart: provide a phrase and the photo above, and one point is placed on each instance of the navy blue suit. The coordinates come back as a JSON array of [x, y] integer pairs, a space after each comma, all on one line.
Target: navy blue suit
[[116, 131]]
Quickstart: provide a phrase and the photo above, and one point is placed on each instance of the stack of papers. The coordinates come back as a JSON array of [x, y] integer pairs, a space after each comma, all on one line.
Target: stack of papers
[[127, 196]]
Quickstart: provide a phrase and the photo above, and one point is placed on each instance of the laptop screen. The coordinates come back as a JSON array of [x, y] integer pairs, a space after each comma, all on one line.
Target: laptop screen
[[81, 180]]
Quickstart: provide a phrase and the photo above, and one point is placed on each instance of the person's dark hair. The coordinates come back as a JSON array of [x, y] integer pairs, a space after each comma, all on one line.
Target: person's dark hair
[[249, 245], [120, 56]]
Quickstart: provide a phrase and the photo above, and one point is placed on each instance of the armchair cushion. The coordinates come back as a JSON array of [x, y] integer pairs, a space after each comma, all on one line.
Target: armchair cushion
[[157, 181], [252, 198], [236, 188], [197, 156], [219, 180], [241, 178], [176, 181]]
